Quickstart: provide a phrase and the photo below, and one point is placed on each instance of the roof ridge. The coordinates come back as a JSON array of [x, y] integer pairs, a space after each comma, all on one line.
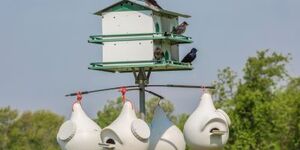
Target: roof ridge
[[144, 4]]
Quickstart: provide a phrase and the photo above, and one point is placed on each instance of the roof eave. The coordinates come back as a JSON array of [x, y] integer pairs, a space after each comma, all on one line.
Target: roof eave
[[174, 13], [99, 13]]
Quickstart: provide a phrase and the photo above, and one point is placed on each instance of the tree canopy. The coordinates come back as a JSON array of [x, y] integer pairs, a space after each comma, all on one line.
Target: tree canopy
[[262, 105], [29, 131]]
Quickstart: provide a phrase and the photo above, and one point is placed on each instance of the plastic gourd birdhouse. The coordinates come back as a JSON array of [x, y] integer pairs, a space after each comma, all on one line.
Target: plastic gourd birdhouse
[[127, 132], [164, 134], [132, 31], [80, 132], [207, 128]]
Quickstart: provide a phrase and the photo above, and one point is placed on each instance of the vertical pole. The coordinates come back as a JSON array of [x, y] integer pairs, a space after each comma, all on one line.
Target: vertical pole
[[141, 83], [142, 100], [142, 80]]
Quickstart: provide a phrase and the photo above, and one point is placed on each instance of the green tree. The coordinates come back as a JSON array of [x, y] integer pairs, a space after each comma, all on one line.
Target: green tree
[[226, 85], [286, 110], [253, 111], [250, 101], [34, 131], [109, 113], [7, 118], [166, 105], [180, 120]]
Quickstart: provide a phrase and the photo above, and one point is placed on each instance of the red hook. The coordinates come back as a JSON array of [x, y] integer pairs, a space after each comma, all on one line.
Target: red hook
[[78, 96], [78, 99], [123, 91]]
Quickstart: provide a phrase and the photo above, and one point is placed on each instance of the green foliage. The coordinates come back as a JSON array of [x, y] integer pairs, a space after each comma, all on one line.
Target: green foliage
[[263, 115], [166, 105], [225, 86], [180, 121], [35, 131], [7, 118], [109, 113], [287, 115], [254, 97]]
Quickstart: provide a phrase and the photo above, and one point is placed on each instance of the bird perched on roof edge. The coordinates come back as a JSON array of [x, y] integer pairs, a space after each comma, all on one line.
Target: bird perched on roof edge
[[180, 29], [153, 3], [191, 56]]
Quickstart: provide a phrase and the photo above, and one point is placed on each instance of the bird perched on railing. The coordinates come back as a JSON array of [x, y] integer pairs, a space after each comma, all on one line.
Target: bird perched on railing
[[153, 3], [190, 57], [158, 53], [180, 29]]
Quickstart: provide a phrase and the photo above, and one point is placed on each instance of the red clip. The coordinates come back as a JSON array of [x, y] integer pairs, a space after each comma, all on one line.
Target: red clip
[[78, 99], [78, 96], [123, 91]]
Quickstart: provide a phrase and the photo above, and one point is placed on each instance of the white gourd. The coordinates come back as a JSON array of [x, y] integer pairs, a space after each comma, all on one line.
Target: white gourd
[[127, 132], [164, 134], [207, 128], [80, 132]]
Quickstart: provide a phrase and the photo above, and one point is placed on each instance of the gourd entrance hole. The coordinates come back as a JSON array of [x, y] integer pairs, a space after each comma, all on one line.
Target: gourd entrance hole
[[110, 141], [214, 129]]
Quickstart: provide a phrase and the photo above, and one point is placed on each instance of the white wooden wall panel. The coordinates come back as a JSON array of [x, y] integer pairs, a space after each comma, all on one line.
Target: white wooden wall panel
[[128, 51], [165, 24], [168, 23], [127, 22], [175, 52]]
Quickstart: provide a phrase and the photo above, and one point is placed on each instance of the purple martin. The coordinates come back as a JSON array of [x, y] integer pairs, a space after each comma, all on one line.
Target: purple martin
[[158, 53], [180, 29], [153, 3], [190, 57]]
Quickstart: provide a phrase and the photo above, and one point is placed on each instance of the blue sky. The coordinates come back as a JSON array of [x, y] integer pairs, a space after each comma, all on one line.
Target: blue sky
[[44, 52]]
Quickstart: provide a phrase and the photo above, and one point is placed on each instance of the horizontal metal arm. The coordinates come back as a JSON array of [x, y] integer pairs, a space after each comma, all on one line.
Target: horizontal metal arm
[[135, 86], [148, 91], [183, 86]]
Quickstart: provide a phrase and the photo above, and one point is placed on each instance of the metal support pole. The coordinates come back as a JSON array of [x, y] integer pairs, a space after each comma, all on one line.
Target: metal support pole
[[142, 80], [142, 100]]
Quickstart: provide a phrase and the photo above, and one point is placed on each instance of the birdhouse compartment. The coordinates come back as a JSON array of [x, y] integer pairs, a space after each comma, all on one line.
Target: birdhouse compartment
[[171, 52], [127, 22], [128, 51], [167, 22]]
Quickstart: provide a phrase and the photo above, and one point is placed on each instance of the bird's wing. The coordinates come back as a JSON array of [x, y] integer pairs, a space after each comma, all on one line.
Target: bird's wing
[[186, 58]]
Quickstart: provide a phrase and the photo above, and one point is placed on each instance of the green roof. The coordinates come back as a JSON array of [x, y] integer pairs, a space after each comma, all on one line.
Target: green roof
[[135, 5]]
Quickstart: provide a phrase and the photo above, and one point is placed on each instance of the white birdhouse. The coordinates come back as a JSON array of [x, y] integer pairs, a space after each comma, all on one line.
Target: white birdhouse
[[80, 132], [127, 132], [207, 128], [132, 31], [164, 134]]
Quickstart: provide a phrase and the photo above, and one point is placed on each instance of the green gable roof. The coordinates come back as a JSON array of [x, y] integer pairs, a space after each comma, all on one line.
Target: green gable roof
[[136, 5]]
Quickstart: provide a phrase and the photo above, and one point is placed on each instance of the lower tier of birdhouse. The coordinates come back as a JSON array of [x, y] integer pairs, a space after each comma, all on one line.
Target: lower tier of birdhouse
[[124, 67]]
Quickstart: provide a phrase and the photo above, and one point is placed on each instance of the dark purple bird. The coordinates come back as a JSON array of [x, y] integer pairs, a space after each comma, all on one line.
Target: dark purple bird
[[153, 3], [180, 29], [190, 57]]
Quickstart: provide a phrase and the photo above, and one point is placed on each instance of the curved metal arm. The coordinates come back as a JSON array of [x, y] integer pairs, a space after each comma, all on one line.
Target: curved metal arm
[[135, 86], [102, 90], [148, 91]]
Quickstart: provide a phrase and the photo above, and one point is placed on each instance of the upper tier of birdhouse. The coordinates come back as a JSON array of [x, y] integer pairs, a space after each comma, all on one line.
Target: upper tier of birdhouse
[[133, 34]]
